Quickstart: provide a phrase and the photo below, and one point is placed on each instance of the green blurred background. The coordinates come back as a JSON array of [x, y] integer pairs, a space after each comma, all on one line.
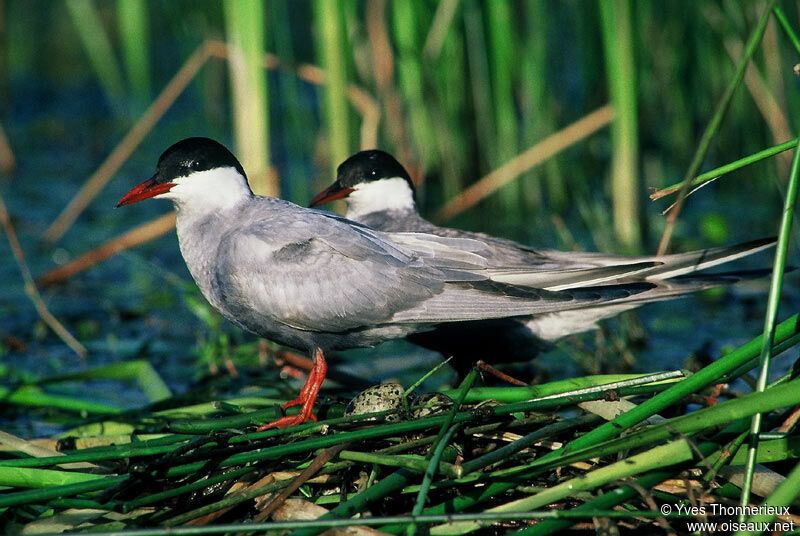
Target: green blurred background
[[456, 89]]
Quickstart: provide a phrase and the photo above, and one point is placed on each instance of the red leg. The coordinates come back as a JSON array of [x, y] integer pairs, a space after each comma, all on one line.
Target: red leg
[[306, 389], [308, 395]]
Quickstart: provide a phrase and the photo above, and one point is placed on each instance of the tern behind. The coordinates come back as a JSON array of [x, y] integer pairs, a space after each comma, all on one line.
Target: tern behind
[[379, 193]]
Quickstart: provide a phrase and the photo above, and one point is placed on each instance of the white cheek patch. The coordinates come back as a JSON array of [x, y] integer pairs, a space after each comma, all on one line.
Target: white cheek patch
[[380, 196], [210, 189]]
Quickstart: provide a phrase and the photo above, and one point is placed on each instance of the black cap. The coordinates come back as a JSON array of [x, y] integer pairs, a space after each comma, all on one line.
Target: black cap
[[191, 155], [369, 166]]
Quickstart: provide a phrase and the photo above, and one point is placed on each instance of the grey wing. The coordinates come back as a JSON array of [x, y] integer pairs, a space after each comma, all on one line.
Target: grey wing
[[477, 300], [325, 275], [471, 254], [321, 280], [616, 269], [668, 266]]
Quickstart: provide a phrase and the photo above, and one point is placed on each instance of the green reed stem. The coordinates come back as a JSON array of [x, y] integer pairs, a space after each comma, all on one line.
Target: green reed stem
[[134, 35], [430, 473], [536, 106], [139, 370], [32, 396], [98, 48], [405, 29], [701, 379], [298, 117], [787, 27], [412, 463], [706, 418], [504, 452], [727, 168], [402, 477], [613, 498], [630, 418], [479, 79], [330, 47], [713, 126], [771, 317], [559, 387], [503, 65], [438, 446], [621, 77], [783, 496], [188, 488], [246, 34]]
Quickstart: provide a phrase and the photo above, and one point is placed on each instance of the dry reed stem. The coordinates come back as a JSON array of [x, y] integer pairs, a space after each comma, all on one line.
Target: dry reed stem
[[442, 20], [380, 44], [790, 422], [32, 291], [361, 100], [765, 101], [138, 235], [535, 155], [14, 443], [383, 65], [721, 109], [658, 194], [7, 161], [95, 184], [296, 360], [486, 367], [316, 464], [238, 487]]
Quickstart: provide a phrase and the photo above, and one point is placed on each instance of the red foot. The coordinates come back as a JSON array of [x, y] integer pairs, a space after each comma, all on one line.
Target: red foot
[[307, 397]]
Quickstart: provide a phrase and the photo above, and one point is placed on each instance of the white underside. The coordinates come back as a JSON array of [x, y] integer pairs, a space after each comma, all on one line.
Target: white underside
[[554, 326]]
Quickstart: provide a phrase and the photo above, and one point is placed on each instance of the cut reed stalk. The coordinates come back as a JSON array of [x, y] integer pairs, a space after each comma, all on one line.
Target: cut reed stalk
[[502, 63], [330, 43], [134, 35], [97, 181], [245, 29], [406, 20], [98, 48], [621, 78]]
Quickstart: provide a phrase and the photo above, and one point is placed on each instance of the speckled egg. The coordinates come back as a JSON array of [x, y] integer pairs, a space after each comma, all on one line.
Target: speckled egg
[[383, 397], [433, 404]]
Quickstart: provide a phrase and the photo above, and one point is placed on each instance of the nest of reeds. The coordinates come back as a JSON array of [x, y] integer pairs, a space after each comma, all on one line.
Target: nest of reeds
[[582, 453]]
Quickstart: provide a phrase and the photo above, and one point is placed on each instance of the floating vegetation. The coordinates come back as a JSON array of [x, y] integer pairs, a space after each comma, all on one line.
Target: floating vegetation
[[521, 455]]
